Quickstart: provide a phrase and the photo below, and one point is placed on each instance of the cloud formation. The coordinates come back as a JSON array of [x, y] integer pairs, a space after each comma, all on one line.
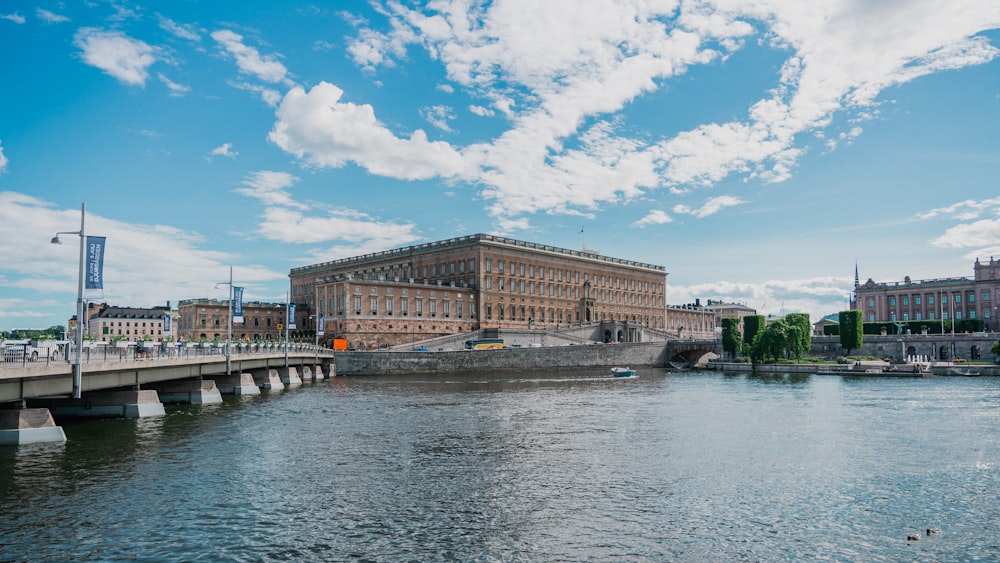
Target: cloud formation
[[560, 72], [225, 149], [318, 127], [265, 67], [122, 57]]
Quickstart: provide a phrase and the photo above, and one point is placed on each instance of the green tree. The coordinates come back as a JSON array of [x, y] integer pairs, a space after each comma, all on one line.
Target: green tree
[[995, 348], [732, 340], [851, 335], [772, 342], [801, 321], [752, 326]]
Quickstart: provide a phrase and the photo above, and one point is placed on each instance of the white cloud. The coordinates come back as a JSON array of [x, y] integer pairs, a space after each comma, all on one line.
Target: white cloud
[[184, 31], [481, 111], [438, 116], [269, 187], [115, 53], [249, 60], [50, 17], [318, 127], [292, 226], [286, 220], [225, 149], [964, 210], [654, 217], [3, 160], [175, 88], [711, 207], [270, 96], [15, 17], [984, 233]]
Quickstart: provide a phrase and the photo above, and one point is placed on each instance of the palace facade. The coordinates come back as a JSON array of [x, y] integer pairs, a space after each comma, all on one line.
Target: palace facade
[[470, 283], [934, 299]]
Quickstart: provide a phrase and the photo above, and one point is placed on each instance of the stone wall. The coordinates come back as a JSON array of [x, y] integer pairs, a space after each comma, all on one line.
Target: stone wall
[[506, 359], [964, 346]]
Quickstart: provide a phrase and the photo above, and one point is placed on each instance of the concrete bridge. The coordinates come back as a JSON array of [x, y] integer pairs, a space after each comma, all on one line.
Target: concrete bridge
[[134, 387]]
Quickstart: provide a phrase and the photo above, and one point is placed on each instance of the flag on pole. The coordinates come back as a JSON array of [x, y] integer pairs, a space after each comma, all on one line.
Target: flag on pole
[[237, 305], [291, 316], [321, 326], [95, 263]]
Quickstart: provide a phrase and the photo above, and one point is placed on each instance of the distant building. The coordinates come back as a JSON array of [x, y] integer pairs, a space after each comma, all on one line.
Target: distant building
[[474, 282], [698, 321], [109, 323], [206, 319], [934, 299]]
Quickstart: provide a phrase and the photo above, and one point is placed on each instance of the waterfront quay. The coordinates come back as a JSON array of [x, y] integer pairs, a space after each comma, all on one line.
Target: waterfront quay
[[138, 386]]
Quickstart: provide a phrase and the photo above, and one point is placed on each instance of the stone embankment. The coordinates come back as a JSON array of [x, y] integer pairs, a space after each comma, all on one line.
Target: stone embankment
[[507, 359], [936, 368]]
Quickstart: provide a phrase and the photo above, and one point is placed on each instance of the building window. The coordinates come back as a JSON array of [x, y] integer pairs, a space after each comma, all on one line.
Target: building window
[[500, 266], [357, 304], [972, 298], [892, 301], [420, 307], [388, 305], [930, 299], [906, 301]]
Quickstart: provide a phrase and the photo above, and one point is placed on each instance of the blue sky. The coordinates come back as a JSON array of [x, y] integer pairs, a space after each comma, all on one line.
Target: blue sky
[[757, 150]]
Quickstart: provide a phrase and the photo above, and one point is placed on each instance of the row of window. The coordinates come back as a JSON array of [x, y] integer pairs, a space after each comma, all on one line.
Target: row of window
[[905, 300], [460, 308], [568, 276], [930, 316]]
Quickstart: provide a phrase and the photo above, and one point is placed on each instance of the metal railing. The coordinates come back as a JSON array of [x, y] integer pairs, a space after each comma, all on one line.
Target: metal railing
[[25, 355]]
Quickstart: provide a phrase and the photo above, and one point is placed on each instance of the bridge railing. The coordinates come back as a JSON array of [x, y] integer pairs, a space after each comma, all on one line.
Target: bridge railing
[[159, 351]]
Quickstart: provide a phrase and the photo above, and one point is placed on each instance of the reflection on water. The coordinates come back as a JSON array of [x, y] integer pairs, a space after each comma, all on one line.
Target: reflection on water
[[550, 466]]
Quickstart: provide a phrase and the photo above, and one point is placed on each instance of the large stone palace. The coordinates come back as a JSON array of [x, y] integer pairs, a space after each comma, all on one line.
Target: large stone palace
[[470, 283]]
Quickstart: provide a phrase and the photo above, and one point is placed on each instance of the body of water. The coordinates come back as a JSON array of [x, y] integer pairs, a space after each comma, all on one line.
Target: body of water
[[562, 466]]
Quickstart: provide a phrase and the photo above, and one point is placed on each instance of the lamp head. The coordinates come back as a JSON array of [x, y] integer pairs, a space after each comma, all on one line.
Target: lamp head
[[55, 240]]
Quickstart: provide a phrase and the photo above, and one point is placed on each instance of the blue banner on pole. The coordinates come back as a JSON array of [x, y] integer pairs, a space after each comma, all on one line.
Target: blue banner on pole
[[166, 324], [95, 263], [291, 316], [321, 326], [237, 305]]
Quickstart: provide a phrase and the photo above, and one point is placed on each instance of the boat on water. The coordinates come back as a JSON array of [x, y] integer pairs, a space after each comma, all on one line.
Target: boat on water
[[623, 372]]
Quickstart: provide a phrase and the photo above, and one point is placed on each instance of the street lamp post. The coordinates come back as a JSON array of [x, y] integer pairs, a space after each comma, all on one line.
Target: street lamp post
[[229, 321], [77, 366]]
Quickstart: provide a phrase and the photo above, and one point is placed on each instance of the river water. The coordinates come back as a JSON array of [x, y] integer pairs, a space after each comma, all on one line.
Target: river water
[[561, 466]]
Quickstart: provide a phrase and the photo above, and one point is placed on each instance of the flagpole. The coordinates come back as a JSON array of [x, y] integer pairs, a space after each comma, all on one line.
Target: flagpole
[[77, 363]]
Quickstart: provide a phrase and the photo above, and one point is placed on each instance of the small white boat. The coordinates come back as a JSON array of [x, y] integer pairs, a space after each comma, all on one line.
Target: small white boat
[[623, 372]]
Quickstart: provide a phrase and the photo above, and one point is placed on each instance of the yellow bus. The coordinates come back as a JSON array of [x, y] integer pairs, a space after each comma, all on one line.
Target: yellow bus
[[484, 344]]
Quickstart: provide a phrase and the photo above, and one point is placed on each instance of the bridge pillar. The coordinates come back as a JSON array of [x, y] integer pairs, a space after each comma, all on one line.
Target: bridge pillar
[[236, 384], [318, 372], [191, 391], [130, 403], [266, 378], [28, 426], [307, 373], [289, 376]]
